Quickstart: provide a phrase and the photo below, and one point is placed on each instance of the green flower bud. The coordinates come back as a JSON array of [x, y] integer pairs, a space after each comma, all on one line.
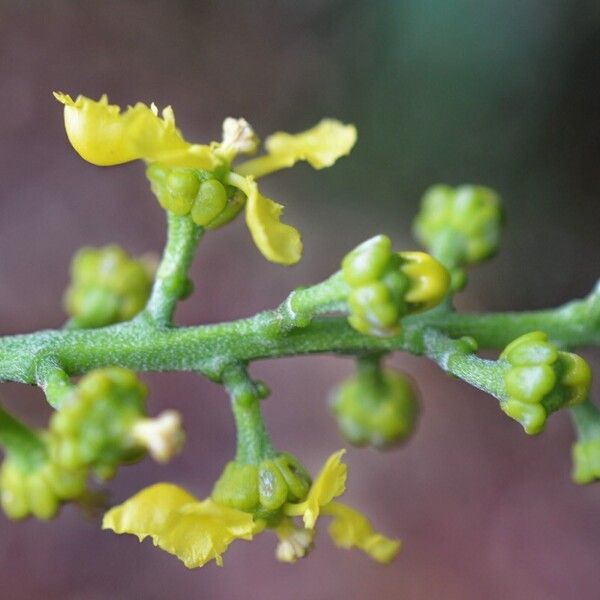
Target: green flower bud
[[210, 202], [378, 408], [467, 218], [107, 286], [541, 380], [38, 491], [94, 427], [262, 489], [386, 286]]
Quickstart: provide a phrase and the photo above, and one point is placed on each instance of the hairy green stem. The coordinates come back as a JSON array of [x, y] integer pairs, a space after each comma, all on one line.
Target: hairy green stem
[[253, 440], [143, 347], [171, 283], [456, 358]]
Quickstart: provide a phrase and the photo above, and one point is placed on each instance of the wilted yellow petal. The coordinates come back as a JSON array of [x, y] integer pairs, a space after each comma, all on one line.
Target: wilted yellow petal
[[202, 531], [330, 483], [103, 135], [351, 529], [278, 242], [320, 146], [147, 513]]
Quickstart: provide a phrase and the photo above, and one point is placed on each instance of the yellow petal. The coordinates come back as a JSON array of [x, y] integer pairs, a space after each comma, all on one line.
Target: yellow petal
[[103, 135], [148, 512], [202, 531], [330, 483], [351, 529], [429, 279], [278, 242], [320, 146]]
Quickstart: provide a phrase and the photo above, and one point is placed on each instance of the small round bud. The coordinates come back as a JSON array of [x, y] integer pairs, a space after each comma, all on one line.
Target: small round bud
[[379, 409], [541, 379], [210, 202], [183, 182], [468, 217], [107, 286], [262, 489], [368, 261]]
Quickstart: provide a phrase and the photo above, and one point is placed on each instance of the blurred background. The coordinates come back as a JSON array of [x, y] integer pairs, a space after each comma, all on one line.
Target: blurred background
[[501, 93]]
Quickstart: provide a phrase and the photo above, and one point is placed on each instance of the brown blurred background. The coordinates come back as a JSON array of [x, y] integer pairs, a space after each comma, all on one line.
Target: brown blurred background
[[503, 93]]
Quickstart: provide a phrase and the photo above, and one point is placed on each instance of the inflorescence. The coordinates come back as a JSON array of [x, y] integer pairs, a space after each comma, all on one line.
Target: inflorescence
[[121, 322]]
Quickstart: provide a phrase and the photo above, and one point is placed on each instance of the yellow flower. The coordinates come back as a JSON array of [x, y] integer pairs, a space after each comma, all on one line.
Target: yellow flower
[[103, 135], [199, 531], [194, 531]]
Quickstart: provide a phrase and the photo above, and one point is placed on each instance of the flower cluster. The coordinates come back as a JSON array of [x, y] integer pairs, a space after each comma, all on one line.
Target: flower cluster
[[107, 286], [200, 531], [467, 218], [101, 424], [386, 286], [199, 180], [541, 379]]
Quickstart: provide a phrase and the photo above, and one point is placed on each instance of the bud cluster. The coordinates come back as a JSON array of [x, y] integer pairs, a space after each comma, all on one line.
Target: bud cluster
[[541, 379], [93, 428], [38, 490], [264, 488], [200, 194], [107, 286], [386, 286], [377, 407], [468, 216]]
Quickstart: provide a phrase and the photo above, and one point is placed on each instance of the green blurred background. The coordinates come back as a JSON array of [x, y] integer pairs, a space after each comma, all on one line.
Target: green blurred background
[[501, 93]]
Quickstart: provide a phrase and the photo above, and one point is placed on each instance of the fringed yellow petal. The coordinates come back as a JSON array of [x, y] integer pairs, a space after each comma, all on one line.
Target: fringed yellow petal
[[330, 483], [202, 531], [104, 136], [320, 146], [148, 512], [278, 242], [351, 529]]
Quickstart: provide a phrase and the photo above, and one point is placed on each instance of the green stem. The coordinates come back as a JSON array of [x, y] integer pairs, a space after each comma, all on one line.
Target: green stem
[[138, 345], [586, 419], [368, 367], [576, 323], [54, 381], [171, 283], [303, 304], [456, 358], [253, 440], [21, 443]]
